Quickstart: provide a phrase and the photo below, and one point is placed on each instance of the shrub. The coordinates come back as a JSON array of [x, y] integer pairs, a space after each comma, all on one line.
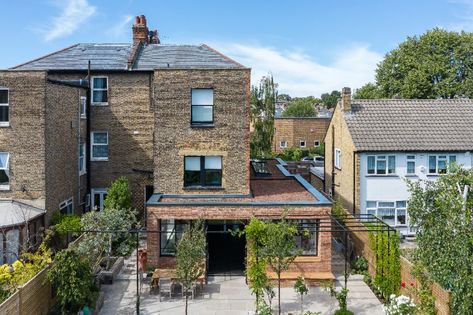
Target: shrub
[[360, 265], [400, 305], [63, 223], [71, 275], [119, 195]]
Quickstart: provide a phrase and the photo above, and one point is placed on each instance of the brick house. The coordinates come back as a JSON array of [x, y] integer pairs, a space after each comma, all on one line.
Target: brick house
[[173, 119], [372, 146], [303, 133]]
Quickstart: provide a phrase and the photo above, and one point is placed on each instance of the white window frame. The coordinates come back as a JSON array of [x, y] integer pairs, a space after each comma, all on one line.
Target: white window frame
[[281, 144], [410, 158], [338, 158], [7, 168], [300, 143], [6, 123], [101, 192], [99, 89], [381, 158], [316, 143], [66, 204], [83, 169], [83, 107], [374, 210], [92, 158], [447, 159]]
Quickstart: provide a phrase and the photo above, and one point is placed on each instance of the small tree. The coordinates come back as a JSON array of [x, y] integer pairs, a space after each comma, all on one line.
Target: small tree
[[280, 249], [190, 257], [301, 289], [119, 194], [71, 275]]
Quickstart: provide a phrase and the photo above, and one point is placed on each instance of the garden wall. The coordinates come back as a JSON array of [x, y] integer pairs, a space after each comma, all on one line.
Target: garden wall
[[361, 242], [442, 297], [33, 298]]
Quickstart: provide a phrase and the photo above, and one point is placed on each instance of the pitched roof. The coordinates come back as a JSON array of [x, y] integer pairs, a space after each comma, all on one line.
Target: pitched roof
[[115, 57], [411, 125], [15, 212]]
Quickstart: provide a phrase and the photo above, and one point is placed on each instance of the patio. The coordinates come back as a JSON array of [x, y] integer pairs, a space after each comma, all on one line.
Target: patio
[[229, 295]]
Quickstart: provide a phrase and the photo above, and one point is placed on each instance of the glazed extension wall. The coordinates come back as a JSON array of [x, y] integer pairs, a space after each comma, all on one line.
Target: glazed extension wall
[[320, 263], [176, 138]]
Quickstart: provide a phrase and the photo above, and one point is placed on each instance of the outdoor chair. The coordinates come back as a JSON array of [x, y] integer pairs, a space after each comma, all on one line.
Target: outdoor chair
[[192, 290], [165, 286]]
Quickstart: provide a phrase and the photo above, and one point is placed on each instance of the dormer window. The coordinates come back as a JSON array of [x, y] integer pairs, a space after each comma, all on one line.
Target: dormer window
[[202, 108]]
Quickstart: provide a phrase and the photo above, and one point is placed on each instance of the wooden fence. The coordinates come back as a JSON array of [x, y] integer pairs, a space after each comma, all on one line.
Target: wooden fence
[[32, 298]]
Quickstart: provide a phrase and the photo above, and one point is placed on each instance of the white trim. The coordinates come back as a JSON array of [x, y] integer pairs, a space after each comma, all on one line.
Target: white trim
[[83, 107], [66, 204], [300, 143], [338, 158], [6, 168], [394, 207], [92, 158], [7, 104], [84, 158], [101, 192], [98, 89], [281, 144], [318, 143]]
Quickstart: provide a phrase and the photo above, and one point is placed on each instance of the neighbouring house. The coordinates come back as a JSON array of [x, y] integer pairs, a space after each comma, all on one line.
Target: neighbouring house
[[303, 133], [373, 146], [174, 120]]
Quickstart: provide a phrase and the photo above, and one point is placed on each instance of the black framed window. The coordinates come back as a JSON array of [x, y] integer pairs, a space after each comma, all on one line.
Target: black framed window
[[202, 171], [4, 108], [202, 108], [307, 238], [171, 231]]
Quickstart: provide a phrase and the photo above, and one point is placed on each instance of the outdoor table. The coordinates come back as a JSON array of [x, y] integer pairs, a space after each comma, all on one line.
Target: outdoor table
[[171, 274]]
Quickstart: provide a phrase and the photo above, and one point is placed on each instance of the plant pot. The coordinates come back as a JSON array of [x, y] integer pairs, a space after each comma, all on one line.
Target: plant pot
[[107, 276]]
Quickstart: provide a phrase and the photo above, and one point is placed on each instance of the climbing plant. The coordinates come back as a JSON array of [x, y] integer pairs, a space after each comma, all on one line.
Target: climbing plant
[[385, 246], [442, 211]]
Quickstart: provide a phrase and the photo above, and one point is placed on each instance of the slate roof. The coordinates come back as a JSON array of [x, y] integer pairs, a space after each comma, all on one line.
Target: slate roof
[[411, 125], [115, 57]]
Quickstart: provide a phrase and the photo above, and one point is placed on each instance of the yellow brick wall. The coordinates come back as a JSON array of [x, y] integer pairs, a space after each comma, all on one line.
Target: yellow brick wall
[[293, 130], [347, 178]]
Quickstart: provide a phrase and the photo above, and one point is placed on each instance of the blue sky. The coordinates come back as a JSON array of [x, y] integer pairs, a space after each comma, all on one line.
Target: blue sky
[[310, 46]]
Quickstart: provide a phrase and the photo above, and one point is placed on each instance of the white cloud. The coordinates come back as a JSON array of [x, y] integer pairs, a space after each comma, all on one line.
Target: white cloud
[[73, 14], [300, 75], [120, 28], [465, 19]]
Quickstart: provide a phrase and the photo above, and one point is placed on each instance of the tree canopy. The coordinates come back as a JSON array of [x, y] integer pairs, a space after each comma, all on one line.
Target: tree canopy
[[437, 64], [330, 100], [262, 107], [300, 107], [443, 213]]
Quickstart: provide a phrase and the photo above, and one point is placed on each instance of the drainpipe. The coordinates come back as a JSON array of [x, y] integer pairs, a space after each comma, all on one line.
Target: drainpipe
[[87, 130], [333, 162]]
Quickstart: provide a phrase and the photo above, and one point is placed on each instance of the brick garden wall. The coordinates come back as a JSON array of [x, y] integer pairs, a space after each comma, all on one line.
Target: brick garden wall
[[33, 298], [362, 248]]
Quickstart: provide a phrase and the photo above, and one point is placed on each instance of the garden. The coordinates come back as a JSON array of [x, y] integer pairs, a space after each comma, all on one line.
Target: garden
[[77, 269]]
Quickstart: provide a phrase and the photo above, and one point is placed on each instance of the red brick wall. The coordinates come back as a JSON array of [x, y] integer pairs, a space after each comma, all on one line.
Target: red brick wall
[[320, 263]]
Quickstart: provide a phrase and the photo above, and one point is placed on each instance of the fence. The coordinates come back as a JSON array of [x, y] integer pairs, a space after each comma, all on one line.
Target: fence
[[32, 298]]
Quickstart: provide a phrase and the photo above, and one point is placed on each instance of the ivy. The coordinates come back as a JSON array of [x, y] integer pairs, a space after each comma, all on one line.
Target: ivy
[[442, 210], [385, 246]]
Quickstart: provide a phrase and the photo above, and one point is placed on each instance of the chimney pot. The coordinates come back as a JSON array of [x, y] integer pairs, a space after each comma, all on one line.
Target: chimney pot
[[143, 20], [140, 30], [346, 99], [137, 20]]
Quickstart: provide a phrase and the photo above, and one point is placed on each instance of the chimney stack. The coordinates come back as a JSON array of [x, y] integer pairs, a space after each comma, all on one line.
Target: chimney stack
[[346, 99], [140, 30]]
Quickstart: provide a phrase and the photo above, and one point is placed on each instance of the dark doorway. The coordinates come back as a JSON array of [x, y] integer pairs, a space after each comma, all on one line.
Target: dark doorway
[[226, 252]]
